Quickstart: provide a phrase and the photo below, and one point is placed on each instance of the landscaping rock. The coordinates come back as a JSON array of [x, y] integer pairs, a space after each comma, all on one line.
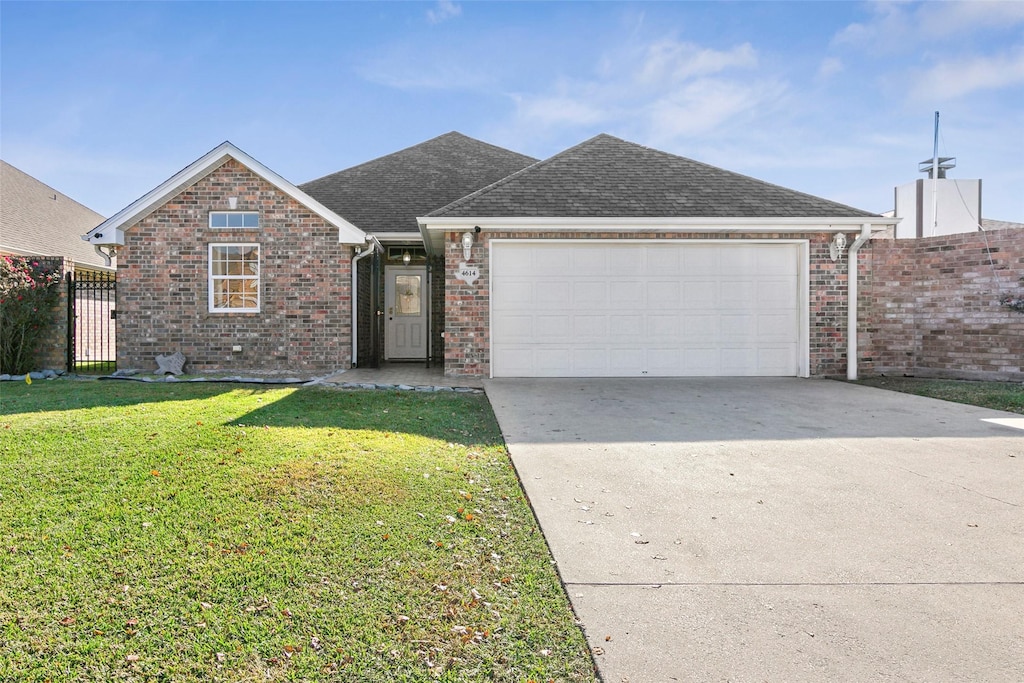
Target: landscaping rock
[[173, 364]]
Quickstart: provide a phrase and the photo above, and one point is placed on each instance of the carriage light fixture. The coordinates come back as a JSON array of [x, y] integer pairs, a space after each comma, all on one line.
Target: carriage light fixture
[[406, 257], [467, 244]]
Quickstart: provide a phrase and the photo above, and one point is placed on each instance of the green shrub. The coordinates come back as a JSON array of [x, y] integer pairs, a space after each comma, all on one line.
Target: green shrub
[[29, 290]]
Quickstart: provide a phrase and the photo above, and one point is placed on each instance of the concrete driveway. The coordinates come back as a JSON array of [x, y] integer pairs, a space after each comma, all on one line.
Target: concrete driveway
[[777, 529]]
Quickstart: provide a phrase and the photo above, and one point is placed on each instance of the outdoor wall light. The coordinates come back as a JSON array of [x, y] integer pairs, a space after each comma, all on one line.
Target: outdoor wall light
[[406, 257], [837, 246], [467, 244]]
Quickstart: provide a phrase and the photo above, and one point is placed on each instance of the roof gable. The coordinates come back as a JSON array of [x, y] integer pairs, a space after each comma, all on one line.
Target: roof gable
[[387, 194], [38, 220], [112, 230], [606, 177]]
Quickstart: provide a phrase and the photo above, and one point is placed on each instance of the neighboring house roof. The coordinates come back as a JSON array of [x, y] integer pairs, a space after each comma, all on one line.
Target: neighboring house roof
[[111, 231], [606, 177], [37, 220], [386, 195], [990, 224]]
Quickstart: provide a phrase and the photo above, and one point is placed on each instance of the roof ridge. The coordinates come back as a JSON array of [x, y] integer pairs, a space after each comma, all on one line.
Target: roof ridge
[[449, 134], [498, 183]]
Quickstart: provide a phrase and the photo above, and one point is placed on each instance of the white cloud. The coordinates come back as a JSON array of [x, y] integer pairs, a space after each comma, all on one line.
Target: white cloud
[[955, 78], [896, 25], [658, 91], [445, 10], [671, 61], [829, 67]]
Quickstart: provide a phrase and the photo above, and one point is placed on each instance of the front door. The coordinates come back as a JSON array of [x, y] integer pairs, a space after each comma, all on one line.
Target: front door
[[405, 305]]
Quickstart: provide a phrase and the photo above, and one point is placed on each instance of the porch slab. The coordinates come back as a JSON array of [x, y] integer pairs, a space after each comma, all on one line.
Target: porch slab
[[409, 374]]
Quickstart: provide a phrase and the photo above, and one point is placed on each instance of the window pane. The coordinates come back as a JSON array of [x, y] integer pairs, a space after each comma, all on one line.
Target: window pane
[[220, 293], [251, 220], [407, 294], [234, 220], [218, 220]]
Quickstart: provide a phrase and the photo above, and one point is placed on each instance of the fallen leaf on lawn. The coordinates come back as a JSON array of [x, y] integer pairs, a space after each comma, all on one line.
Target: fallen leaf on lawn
[[67, 621], [132, 622], [545, 653], [132, 658], [97, 632], [314, 643], [205, 605], [385, 537], [200, 624], [286, 613], [155, 473], [292, 648], [221, 656]]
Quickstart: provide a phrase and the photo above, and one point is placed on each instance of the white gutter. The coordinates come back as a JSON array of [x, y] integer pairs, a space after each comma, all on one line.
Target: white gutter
[[373, 244], [851, 301]]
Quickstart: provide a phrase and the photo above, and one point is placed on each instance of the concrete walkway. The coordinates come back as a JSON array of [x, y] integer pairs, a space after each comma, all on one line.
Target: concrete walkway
[[777, 529]]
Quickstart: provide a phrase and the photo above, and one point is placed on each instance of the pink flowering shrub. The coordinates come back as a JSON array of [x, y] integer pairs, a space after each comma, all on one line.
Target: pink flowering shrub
[[29, 289]]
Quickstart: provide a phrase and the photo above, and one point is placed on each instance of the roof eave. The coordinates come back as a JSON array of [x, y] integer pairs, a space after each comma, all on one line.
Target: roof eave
[[433, 227], [107, 232]]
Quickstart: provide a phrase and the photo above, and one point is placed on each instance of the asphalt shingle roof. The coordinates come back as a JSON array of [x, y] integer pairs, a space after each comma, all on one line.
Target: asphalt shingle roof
[[387, 194], [37, 219], [606, 177]]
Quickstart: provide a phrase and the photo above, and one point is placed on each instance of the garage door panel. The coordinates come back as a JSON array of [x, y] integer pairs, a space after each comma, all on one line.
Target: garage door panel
[[645, 308], [662, 294], [553, 295], [700, 260], [775, 327], [590, 261], [590, 327], [624, 293], [700, 294], [663, 326], [515, 294], [628, 327], [514, 328], [590, 295], [776, 292]]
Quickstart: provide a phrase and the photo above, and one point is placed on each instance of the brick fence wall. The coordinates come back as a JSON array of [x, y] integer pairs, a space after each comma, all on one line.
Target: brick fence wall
[[930, 307]]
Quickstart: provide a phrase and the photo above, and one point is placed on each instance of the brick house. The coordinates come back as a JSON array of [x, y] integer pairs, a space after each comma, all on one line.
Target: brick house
[[608, 259]]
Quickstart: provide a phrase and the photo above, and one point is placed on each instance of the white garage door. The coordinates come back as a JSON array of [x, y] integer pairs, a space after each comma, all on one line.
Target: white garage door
[[625, 309]]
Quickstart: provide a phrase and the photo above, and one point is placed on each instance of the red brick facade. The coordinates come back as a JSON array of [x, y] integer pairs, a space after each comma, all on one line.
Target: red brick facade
[[304, 322], [467, 312], [930, 306]]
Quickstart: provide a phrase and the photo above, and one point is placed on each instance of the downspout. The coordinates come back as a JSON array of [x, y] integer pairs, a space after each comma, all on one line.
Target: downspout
[[851, 301], [105, 255], [372, 244]]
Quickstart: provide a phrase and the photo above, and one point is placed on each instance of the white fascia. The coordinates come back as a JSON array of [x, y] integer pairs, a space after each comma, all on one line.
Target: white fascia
[[111, 230], [389, 237], [433, 228]]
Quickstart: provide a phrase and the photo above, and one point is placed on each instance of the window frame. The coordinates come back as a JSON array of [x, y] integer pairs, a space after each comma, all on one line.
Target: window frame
[[211, 278], [209, 220]]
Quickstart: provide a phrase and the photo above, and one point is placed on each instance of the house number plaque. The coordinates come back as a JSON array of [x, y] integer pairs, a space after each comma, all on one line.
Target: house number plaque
[[468, 274]]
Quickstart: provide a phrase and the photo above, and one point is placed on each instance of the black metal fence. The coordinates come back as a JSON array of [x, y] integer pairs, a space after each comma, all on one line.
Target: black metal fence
[[92, 345]]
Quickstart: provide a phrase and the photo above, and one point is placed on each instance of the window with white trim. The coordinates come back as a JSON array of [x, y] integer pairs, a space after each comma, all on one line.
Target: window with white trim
[[247, 220], [234, 278]]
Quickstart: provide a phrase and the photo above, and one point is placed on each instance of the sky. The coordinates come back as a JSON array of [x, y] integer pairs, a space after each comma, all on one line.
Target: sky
[[105, 101]]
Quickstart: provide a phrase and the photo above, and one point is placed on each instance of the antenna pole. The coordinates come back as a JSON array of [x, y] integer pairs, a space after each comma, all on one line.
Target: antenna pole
[[935, 178]]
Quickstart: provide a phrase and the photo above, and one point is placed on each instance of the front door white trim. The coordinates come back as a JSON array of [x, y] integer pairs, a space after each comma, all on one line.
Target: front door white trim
[[803, 280]]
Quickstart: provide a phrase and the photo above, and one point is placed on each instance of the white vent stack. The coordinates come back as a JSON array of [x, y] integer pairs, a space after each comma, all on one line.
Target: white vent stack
[[938, 205]]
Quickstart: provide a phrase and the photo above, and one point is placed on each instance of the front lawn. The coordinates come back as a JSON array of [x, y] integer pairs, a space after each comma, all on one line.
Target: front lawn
[[1008, 396], [195, 532]]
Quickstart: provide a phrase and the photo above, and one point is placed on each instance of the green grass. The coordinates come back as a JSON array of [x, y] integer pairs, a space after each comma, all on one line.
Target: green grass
[[95, 367], [207, 532], [1008, 396]]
